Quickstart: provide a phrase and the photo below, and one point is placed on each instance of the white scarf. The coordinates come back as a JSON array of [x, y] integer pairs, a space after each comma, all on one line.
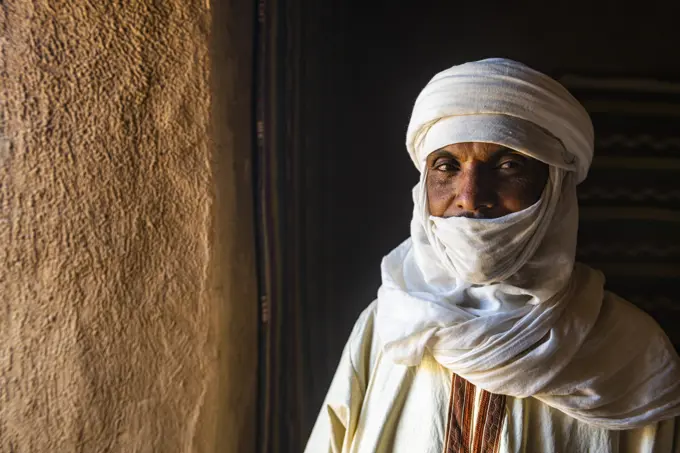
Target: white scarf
[[500, 302]]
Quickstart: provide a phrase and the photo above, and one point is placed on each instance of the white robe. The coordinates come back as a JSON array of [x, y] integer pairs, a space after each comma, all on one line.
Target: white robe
[[376, 405]]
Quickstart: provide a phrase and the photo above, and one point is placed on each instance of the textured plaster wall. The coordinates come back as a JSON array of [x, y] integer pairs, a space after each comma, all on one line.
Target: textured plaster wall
[[115, 326]]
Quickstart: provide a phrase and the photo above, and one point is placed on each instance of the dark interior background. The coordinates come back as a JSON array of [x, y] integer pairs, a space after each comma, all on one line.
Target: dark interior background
[[343, 76]]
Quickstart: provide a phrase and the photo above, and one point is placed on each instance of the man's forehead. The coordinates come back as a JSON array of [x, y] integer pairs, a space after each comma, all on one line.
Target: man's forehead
[[472, 151]]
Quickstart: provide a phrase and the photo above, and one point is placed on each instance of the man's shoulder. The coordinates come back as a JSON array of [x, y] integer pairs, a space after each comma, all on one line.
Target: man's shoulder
[[363, 345], [365, 321], [363, 332]]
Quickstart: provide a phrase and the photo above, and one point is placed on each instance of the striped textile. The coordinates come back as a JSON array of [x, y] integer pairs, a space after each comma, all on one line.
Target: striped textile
[[630, 202], [463, 435]]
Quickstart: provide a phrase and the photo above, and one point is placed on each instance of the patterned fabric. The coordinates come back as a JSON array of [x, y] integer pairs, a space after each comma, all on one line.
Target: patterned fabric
[[460, 416], [630, 202], [492, 423], [487, 426]]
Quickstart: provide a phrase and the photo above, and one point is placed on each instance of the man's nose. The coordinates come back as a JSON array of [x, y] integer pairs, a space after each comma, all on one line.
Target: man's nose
[[474, 192]]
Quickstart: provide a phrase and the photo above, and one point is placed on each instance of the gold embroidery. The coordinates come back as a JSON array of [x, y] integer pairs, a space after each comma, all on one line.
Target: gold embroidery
[[459, 438]]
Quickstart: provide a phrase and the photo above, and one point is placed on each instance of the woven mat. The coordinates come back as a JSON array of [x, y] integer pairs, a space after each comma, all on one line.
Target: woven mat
[[630, 203]]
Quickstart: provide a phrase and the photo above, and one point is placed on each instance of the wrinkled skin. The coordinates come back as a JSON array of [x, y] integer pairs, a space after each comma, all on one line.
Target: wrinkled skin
[[482, 180]]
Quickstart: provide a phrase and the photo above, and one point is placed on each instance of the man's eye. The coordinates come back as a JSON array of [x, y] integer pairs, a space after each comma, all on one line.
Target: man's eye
[[509, 165], [446, 167]]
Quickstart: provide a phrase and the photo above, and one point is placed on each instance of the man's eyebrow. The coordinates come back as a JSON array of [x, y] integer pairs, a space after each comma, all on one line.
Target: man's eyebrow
[[504, 151], [441, 153], [495, 155]]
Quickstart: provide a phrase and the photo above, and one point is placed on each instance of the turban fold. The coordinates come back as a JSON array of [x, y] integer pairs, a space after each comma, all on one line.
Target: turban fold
[[501, 101]]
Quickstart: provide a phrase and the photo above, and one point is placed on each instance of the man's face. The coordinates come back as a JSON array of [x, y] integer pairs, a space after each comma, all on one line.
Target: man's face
[[482, 180]]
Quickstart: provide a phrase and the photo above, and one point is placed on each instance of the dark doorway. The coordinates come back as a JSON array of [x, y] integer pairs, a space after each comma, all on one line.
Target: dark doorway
[[336, 84]]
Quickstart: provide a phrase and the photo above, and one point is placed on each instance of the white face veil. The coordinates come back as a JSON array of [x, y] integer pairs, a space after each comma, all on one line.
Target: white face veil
[[500, 301]]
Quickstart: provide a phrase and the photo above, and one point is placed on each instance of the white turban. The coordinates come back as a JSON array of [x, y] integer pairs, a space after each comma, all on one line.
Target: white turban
[[500, 301], [465, 100]]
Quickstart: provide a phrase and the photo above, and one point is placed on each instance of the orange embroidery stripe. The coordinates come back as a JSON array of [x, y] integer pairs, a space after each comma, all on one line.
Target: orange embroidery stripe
[[496, 418], [456, 435], [461, 403], [489, 422], [481, 420], [468, 412]]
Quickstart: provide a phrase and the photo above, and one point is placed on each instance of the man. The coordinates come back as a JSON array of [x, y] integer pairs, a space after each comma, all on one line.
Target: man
[[486, 336]]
